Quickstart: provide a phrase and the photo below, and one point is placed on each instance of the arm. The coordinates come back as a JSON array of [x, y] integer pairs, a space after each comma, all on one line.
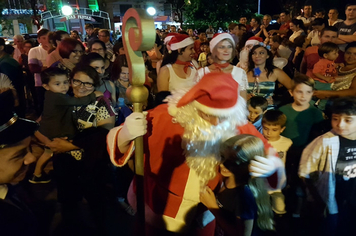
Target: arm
[[108, 123], [209, 200], [113, 93], [278, 31], [283, 78], [325, 78], [303, 66], [351, 91], [60, 145], [261, 31], [65, 100], [346, 38], [163, 79], [309, 167], [158, 53]]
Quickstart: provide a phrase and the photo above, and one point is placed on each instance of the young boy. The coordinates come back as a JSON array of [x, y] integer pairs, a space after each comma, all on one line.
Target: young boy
[[328, 168], [57, 118], [256, 106], [324, 71], [273, 123], [301, 117], [204, 47]]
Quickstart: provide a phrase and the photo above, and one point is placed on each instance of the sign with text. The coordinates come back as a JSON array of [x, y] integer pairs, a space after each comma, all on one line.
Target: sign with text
[[77, 17]]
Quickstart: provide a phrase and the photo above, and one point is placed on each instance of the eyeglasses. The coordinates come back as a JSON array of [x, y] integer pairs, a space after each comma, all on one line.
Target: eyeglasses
[[97, 49], [78, 51], [102, 35], [80, 83]]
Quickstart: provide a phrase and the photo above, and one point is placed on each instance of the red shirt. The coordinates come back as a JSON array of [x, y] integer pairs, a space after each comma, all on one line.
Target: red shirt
[[324, 67], [197, 48], [311, 57]]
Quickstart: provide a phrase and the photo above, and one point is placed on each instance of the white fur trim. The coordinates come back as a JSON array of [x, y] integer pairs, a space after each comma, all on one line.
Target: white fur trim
[[219, 38], [217, 111], [182, 44], [112, 146], [167, 39], [252, 42]]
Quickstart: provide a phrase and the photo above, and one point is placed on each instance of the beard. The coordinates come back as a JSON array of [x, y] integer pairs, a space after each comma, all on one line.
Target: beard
[[201, 140]]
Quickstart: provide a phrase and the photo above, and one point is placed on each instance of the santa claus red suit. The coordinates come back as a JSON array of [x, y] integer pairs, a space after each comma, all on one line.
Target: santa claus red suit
[[181, 148]]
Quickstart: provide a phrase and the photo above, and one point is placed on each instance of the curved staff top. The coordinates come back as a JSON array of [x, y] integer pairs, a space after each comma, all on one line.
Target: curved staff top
[[138, 35]]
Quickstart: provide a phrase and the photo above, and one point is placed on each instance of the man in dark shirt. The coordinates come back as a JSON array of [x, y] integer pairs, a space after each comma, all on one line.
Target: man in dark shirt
[[347, 28]]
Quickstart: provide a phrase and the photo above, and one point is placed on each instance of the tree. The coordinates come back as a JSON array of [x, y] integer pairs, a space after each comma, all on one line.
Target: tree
[[178, 9], [36, 19], [202, 13]]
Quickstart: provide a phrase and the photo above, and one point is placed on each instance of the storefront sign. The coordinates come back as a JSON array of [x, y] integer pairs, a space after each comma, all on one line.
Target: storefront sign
[[77, 17]]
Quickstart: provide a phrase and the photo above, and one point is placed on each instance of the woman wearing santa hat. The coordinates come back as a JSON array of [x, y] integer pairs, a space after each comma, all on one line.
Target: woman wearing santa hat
[[222, 48], [177, 71], [262, 74]]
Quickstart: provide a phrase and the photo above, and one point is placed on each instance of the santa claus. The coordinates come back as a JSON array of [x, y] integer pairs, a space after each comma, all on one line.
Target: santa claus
[[181, 149]]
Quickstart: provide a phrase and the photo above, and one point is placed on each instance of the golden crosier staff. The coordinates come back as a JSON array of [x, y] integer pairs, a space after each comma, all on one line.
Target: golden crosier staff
[[138, 35]]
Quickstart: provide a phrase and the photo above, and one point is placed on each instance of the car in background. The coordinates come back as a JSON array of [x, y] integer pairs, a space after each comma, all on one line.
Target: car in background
[[8, 40], [32, 37]]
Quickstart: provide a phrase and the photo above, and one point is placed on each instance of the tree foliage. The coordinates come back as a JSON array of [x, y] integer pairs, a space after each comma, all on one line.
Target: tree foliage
[[202, 13]]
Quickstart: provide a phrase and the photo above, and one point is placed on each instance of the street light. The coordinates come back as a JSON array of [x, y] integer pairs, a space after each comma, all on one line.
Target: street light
[[151, 11], [67, 10]]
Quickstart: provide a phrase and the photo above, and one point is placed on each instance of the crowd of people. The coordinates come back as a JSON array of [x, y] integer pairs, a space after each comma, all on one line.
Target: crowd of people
[[248, 132]]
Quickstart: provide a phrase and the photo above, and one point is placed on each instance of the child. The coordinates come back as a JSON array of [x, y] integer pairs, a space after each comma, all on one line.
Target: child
[[257, 105], [324, 70], [204, 47], [240, 197], [56, 119], [273, 123], [209, 59], [301, 117], [327, 167]]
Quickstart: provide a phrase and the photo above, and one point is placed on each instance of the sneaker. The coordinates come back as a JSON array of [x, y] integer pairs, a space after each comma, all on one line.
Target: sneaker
[[43, 179]]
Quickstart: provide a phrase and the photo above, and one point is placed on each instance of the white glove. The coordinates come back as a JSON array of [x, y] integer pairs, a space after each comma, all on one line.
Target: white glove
[[135, 125], [262, 166]]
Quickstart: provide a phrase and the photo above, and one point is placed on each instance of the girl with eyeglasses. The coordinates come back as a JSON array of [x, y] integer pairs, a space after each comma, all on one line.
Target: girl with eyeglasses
[[107, 87], [88, 147]]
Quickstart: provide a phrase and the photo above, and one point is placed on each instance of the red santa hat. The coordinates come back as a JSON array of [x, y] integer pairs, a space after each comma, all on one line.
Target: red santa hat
[[169, 37], [180, 41], [215, 94], [219, 37], [254, 41]]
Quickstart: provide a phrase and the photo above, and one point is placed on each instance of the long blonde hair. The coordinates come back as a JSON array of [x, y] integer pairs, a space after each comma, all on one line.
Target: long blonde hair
[[236, 153]]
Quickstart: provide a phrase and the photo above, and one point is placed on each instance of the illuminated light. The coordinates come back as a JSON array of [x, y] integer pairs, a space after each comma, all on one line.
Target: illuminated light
[[67, 10], [151, 11]]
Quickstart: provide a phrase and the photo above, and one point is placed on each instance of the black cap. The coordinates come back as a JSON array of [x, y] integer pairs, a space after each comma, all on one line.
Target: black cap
[[13, 129]]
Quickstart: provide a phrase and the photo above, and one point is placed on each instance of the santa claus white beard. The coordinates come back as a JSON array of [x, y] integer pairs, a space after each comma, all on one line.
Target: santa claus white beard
[[201, 142]]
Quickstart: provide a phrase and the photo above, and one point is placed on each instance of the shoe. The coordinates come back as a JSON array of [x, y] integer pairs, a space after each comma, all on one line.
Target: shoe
[[43, 179]]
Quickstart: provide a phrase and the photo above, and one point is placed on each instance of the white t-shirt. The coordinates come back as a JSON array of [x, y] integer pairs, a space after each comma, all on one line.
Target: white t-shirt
[[314, 36], [306, 20], [17, 53], [295, 34], [281, 146], [37, 56], [238, 74]]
